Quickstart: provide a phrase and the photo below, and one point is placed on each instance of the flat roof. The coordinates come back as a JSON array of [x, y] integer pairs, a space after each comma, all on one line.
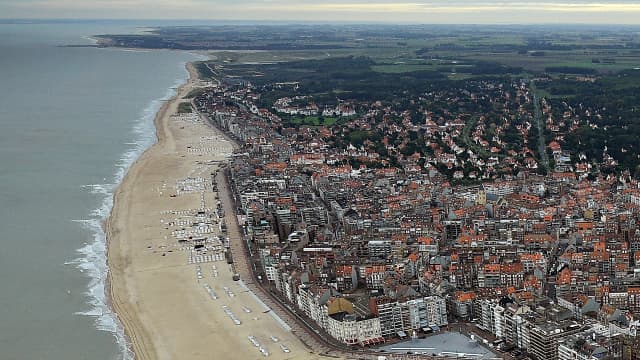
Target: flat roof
[[447, 343]]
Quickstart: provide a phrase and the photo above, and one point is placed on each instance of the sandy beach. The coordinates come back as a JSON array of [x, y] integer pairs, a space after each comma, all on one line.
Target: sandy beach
[[159, 285]]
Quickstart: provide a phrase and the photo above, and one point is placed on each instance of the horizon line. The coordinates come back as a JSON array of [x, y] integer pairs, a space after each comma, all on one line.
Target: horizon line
[[312, 22]]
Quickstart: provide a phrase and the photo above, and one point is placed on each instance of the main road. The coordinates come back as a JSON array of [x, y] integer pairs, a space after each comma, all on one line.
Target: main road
[[304, 328], [537, 116]]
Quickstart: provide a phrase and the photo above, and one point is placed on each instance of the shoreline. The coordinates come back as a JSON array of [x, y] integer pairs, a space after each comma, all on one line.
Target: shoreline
[[108, 223], [164, 310]]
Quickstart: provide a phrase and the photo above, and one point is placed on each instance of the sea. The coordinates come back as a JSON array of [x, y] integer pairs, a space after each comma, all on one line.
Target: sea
[[72, 121]]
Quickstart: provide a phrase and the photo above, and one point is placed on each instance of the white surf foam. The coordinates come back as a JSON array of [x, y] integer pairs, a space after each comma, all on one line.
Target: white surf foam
[[92, 262], [90, 39], [92, 258]]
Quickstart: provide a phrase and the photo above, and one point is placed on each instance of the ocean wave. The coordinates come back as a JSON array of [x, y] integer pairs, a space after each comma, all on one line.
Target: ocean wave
[[93, 263], [92, 259], [98, 189], [91, 39]]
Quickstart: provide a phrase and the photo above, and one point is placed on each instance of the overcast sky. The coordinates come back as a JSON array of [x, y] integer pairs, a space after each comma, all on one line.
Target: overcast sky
[[435, 11]]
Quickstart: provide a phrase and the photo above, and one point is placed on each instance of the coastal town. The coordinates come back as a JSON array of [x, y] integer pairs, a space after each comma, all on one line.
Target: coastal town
[[320, 180], [389, 199], [372, 252]]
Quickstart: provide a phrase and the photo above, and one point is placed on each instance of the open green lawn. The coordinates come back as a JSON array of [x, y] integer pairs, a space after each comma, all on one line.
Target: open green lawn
[[559, 59], [314, 120], [417, 65], [459, 76], [632, 80], [401, 68], [601, 67], [184, 107], [394, 58]]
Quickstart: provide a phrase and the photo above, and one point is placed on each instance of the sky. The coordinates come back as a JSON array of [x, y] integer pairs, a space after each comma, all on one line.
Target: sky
[[357, 11]]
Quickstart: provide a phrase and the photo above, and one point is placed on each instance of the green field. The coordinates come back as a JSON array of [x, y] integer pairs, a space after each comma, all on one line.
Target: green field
[[184, 108], [401, 68], [412, 50], [559, 59], [458, 76], [314, 120], [195, 93]]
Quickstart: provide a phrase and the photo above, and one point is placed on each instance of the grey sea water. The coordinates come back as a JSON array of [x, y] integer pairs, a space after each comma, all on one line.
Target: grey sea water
[[71, 122]]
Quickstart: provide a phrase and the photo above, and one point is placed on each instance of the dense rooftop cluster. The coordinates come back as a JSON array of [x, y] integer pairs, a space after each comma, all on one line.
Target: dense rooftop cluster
[[374, 249], [440, 128]]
